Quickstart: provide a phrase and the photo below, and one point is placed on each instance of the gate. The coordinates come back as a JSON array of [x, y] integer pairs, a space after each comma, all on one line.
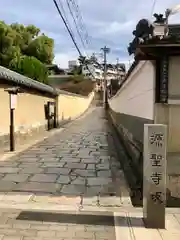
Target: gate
[[50, 115]]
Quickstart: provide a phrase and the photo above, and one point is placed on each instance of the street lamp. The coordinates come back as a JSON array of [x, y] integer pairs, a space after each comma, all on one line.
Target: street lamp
[[105, 51], [168, 13], [12, 106]]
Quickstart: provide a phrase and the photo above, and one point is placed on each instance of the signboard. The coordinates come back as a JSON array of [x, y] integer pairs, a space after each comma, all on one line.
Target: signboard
[[163, 86], [13, 101], [159, 29], [51, 108], [154, 179]]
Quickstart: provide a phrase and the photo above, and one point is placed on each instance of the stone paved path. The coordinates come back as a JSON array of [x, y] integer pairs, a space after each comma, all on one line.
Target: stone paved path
[[130, 226], [65, 187], [71, 186], [77, 167], [47, 225], [24, 225]]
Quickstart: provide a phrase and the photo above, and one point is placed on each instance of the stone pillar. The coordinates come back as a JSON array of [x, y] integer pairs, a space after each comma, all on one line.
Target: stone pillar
[[154, 175]]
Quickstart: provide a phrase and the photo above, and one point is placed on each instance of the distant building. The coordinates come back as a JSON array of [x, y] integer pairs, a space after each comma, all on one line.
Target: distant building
[[114, 73], [174, 29], [92, 70], [57, 75], [72, 64], [54, 69]]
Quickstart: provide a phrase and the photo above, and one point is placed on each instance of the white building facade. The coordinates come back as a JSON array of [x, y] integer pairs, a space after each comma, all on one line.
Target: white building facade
[[113, 74], [92, 69]]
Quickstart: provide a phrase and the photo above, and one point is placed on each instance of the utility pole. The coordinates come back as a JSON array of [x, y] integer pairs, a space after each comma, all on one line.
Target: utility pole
[[118, 71], [117, 68], [105, 51], [129, 63]]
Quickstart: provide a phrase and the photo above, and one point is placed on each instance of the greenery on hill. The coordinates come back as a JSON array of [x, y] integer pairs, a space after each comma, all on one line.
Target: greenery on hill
[[25, 50], [77, 84]]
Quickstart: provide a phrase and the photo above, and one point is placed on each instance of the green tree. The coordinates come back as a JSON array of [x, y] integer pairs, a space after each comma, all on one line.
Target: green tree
[[31, 67], [7, 50], [41, 48], [76, 71], [22, 47], [83, 61]]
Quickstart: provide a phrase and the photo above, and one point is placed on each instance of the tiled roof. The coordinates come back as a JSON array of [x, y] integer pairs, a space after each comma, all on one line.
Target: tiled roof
[[174, 29], [19, 79], [170, 39]]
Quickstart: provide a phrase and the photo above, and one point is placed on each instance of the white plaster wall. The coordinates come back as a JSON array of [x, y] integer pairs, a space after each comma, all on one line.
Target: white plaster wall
[[136, 97], [174, 128], [174, 109], [174, 77]]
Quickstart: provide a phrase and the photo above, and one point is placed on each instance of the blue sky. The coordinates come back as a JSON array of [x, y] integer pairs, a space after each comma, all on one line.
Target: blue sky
[[108, 22]]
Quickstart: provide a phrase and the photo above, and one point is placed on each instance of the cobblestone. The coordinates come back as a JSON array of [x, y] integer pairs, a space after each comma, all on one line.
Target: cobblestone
[[37, 187], [71, 160], [6, 186], [71, 170], [9, 169], [60, 171], [44, 178], [104, 173], [85, 173], [103, 166], [98, 181], [31, 170], [79, 181], [73, 189], [91, 166], [75, 165], [16, 177], [64, 179], [53, 164]]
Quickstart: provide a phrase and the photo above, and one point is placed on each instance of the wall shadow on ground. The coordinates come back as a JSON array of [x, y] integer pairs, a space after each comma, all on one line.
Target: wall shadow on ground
[[82, 218]]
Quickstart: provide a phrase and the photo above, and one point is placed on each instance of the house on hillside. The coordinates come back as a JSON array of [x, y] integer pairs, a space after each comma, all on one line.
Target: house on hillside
[[55, 70], [72, 64], [57, 75]]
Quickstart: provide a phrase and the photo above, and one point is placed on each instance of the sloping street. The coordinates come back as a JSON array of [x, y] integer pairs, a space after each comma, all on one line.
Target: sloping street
[[71, 186], [79, 165], [74, 171]]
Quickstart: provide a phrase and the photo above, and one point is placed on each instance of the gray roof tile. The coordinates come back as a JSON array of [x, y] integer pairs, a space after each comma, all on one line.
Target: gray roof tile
[[27, 82]]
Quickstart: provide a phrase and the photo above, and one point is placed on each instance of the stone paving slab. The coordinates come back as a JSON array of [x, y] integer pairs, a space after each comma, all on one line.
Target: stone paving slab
[[18, 224], [95, 225], [79, 161], [130, 226], [75, 170]]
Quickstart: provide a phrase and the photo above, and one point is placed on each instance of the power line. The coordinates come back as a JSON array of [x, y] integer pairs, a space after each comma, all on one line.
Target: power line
[[80, 19], [65, 17], [76, 25], [153, 7], [69, 31]]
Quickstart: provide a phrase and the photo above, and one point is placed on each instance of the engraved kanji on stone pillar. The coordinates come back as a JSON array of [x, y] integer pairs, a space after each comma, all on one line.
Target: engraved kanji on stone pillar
[[154, 179]]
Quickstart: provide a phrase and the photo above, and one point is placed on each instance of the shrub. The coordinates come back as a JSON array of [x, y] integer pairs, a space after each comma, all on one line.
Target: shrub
[[30, 67]]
